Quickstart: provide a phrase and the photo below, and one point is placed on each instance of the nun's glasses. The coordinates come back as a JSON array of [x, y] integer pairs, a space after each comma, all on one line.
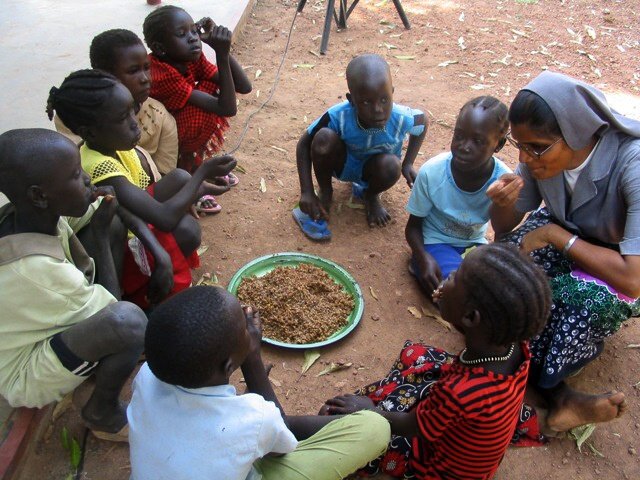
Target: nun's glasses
[[528, 150]]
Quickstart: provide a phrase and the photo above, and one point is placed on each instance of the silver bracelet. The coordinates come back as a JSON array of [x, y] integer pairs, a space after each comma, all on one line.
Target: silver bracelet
[[568, 245]]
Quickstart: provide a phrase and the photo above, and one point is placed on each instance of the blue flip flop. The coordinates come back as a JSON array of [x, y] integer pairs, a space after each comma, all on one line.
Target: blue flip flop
[[314, 229], [357, 190]]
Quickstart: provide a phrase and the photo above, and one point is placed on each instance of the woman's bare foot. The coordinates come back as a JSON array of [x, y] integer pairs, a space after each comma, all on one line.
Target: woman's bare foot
[[572, 409], [377, 215]]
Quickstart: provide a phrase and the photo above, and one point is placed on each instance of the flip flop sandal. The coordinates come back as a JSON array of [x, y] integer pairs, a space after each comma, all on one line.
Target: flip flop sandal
[[357, 191], [314, 229], [200, 208], [232, 179], [120, 436]]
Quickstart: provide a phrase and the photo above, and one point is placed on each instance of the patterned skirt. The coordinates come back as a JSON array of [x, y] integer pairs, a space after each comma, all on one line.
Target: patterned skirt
[[411, 377], [584, 311]]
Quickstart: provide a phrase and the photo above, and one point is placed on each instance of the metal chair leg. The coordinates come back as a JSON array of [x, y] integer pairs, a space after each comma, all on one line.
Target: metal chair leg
[[403, 16], [327, 26]]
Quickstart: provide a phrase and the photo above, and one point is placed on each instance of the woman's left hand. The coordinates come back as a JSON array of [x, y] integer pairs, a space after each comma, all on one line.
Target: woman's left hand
[[538, 238]]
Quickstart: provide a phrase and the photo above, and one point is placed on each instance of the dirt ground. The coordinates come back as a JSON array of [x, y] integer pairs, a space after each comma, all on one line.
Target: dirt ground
[[454, 51]]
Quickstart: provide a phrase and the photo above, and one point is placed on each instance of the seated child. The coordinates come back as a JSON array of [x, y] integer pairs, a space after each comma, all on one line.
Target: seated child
[[360, 141], [187, 421], [449, 206], [198, 93], [121, 53], [96, 106], [453, 416], [57, 326]]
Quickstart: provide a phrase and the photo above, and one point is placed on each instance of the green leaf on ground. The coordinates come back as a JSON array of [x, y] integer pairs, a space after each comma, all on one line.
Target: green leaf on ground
[[310, 357], [75, 454], [64, 438], [581, 434]]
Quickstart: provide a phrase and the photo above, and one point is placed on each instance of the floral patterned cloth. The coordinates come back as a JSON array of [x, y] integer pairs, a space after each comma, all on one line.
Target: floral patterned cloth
[[585, 311], [411, 377]]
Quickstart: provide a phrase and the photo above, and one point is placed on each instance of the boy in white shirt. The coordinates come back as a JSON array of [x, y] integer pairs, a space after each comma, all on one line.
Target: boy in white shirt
[[187, 422]]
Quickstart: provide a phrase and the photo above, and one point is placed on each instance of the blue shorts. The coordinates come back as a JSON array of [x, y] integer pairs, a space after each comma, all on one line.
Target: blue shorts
[[447, 256], [352, 170]]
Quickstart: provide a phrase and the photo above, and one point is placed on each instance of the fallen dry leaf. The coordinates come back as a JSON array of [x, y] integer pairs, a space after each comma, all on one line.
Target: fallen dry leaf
[[263, 185], [415, 312], [446, 63], [303, 65], [334, 367], [405, 57], [373, 293], [201, 249], [276, 382], [278, 149], [258, 73]]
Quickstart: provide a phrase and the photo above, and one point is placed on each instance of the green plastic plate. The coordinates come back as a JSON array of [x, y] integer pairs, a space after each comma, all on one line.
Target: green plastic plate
[[263, 265]]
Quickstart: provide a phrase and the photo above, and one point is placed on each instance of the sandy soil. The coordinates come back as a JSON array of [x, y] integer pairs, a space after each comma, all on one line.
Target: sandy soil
[[488, 47]]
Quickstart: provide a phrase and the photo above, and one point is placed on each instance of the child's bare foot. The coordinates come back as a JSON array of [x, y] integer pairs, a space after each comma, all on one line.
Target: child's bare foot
[[573, 409], [377, 215], [105, 421]]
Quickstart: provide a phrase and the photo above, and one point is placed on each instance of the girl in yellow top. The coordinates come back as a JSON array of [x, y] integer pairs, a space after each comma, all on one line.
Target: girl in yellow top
[[96, 106]]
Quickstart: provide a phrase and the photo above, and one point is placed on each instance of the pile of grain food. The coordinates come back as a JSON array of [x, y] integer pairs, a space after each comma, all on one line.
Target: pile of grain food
[[301, 304]]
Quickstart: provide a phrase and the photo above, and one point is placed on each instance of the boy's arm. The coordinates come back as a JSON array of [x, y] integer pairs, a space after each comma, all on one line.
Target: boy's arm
[[403, 424], [415, 142], [309, 201], [255, 376], [428, 274], [100, 223], [218, 38], [161, 281]]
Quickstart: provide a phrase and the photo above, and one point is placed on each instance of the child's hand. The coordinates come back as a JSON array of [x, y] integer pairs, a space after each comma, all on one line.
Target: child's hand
[[103, 216], [311, 205], [218, 166], [409, 173], [429, 275], [205, 26], [220, 40], [346, 404], [254, 327], [505, 190], [161, 281]]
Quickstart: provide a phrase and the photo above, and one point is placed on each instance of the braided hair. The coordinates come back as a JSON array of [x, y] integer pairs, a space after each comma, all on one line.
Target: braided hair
[[154, 27], [509, 291], [103, 52], [494, 106], [78, 100], [529, 108]]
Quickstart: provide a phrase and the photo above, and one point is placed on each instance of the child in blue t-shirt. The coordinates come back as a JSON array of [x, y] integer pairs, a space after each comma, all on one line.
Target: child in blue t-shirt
[[449, 207], [360, 141]]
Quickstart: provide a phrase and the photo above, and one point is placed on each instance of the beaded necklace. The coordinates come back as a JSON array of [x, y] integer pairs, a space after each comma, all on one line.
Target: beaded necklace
[[486, 359]]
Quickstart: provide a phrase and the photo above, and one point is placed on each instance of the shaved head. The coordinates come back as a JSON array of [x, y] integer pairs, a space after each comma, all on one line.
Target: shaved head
[[27, 157], [368, 68]]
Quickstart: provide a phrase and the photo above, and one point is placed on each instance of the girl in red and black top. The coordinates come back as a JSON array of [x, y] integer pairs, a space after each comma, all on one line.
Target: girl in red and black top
[[453, 416], [199, 94]]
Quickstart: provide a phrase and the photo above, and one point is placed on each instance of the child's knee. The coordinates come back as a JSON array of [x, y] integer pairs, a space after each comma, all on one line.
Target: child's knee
[[128, 322], [188, 234], [376, 431], [325, 142]]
